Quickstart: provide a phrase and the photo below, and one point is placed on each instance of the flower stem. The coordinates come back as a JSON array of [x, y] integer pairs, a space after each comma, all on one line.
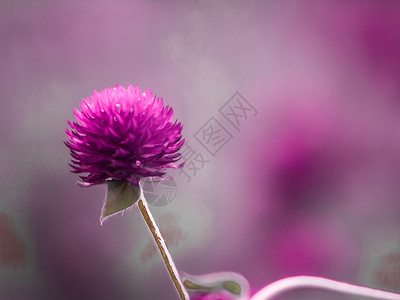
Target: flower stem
[[169, 263], [297, 282]]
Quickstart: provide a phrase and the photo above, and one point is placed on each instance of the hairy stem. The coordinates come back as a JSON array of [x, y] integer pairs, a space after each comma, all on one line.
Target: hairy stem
[[298, 282], [169, 263]]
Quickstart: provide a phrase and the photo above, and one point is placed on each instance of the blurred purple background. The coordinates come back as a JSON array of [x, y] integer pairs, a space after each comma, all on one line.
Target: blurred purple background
[[310, 185]]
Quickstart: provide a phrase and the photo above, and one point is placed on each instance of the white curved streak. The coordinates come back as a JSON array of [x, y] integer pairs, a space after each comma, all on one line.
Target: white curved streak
[[297, 282]]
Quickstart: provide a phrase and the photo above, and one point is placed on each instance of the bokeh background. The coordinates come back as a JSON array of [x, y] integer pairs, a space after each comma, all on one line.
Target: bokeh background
[[310, 185]]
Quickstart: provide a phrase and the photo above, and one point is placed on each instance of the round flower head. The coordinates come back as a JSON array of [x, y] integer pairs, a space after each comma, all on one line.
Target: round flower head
[[123, 134]]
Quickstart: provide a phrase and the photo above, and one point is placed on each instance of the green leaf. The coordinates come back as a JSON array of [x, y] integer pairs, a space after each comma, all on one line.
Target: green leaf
[[120, 195], [232, 287]]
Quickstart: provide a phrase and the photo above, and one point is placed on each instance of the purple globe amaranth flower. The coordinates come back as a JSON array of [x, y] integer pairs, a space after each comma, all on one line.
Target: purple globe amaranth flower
[[121, 135]]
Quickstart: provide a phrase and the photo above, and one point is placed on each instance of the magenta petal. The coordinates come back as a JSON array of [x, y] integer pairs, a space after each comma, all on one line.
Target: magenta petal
[[84, 184]]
